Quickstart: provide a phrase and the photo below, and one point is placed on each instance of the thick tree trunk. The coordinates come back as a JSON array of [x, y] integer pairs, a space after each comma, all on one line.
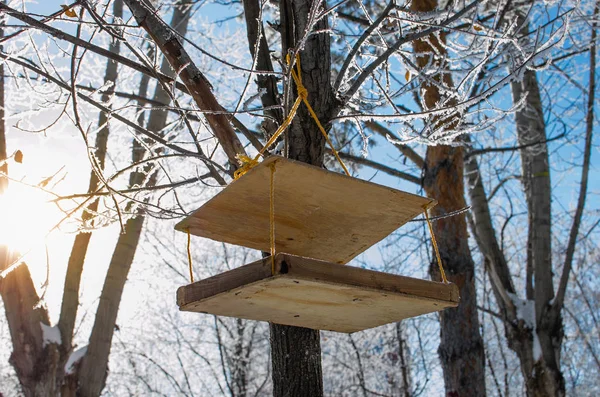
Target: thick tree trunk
[[296, 352], [461, 347], [35, 362], [296, 360]]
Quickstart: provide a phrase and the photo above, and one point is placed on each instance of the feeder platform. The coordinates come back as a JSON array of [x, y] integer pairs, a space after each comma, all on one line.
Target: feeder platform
[[315, 294]]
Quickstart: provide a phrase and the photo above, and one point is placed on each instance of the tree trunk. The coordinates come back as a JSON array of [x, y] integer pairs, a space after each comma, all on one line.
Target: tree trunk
[[461, 347], [296, 352], [403, 354], [70, 301], [94, 369], [35, 362], [542, 374], [521, 336]]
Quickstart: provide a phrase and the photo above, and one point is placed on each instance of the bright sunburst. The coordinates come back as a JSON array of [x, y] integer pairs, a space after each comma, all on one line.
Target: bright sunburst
[[27, 217]]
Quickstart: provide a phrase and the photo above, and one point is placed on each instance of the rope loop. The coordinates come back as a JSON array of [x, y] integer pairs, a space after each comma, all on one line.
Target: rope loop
[[302, 92], [247, 163]]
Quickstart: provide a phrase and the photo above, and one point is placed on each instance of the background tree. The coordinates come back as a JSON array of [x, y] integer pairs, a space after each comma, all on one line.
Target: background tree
[[534, 324]]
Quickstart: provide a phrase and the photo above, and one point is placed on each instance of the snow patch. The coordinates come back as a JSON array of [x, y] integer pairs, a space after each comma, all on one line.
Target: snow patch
[[537, 347], [526, 312], [50, 335], [74, 358]]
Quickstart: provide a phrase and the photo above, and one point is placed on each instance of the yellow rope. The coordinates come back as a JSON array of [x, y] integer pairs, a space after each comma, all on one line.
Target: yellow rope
[[435, 246], [303, 93], [248, 163], [189, 252], [272, 216]]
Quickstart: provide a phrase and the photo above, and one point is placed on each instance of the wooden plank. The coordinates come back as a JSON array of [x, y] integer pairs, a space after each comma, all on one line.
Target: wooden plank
[[311, 269], [238, 277], [318, 213], [315, 294]]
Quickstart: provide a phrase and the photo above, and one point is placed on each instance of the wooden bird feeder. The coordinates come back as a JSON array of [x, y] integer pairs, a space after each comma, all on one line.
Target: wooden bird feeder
[[322, 220]]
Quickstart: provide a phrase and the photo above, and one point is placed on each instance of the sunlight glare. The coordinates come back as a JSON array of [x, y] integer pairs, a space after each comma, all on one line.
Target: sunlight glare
[[27, 217]]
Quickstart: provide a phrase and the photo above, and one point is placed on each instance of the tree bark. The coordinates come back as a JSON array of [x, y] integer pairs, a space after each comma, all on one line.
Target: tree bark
[[36, 363], [295, 351], [461, 347]]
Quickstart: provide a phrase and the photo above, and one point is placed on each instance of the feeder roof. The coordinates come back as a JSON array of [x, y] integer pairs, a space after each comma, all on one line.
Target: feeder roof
[[318, 213]]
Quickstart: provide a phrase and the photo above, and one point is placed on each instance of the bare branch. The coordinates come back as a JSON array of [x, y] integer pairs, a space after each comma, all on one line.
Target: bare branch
[[194, 80], [59, 34], [366, 34], [379, 167], [404, 149]]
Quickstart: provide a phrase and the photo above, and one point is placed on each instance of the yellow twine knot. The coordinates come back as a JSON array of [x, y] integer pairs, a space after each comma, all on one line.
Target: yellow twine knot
[[302, 92], [246, 164]]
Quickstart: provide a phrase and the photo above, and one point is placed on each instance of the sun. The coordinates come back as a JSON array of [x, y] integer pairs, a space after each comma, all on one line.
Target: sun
[[27, 216]]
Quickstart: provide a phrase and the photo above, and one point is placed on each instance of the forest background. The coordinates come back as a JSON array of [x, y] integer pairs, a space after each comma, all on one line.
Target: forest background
[[486, 106]]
